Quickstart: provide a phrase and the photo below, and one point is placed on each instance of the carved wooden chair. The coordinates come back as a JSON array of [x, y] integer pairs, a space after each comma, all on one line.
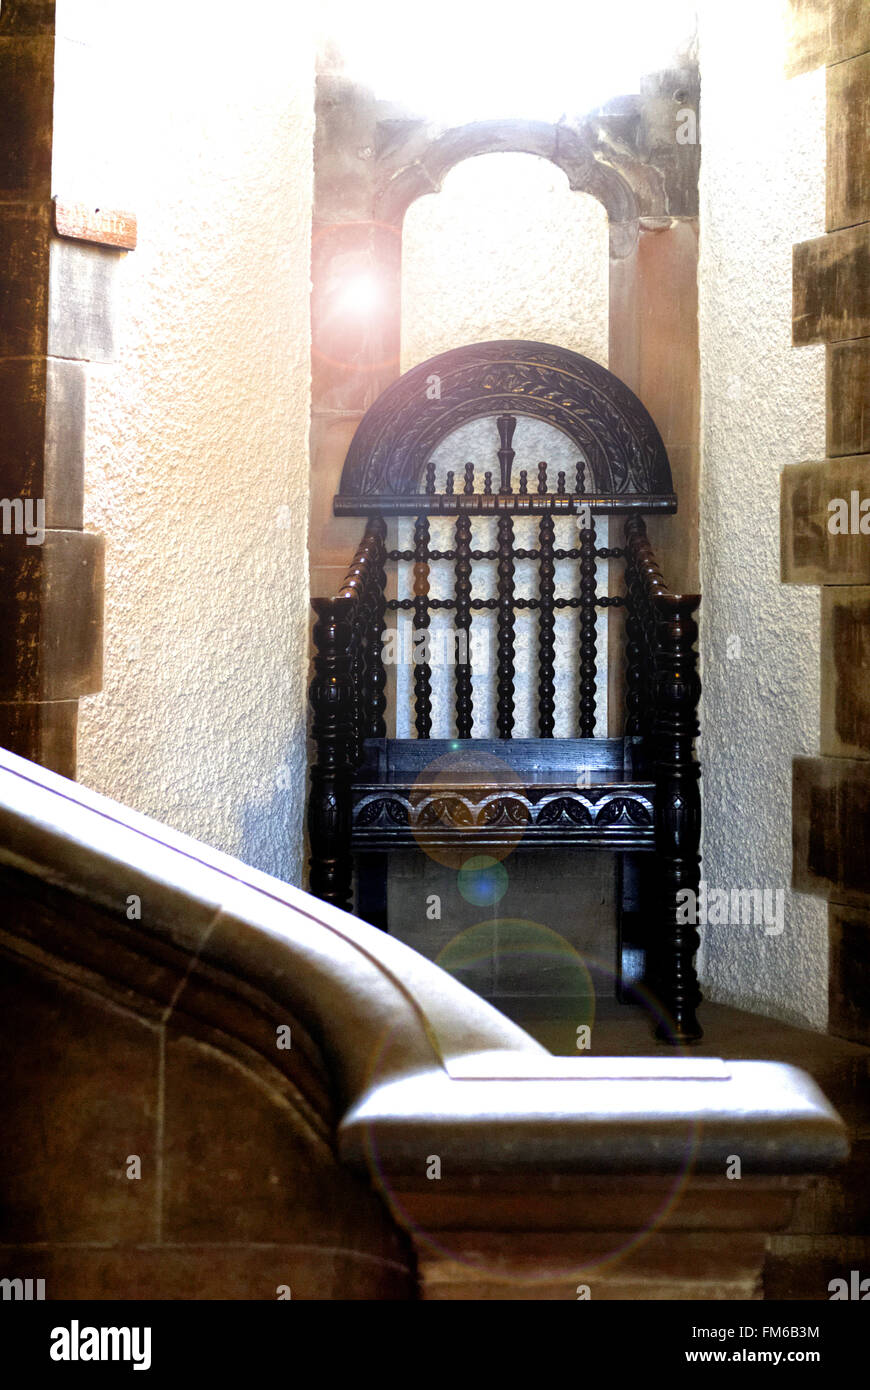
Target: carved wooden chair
[[636, 794]]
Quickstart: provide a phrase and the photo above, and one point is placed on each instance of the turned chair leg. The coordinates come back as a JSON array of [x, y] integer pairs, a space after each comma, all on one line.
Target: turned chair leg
[[677, 818]]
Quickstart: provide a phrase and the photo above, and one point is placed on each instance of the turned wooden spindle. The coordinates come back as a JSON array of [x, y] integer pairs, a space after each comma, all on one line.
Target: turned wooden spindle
[[636, 681], [375, 701], [546, 629], [364, 584], [462, 598], [505, 639], [422, 670], [677, 815], [588, 617], [354, 588], [506, 426], [645, 582], [332, 702]]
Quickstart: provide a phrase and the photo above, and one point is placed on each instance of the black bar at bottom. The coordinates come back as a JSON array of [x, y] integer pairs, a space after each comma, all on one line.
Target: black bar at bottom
[[239, 1342]]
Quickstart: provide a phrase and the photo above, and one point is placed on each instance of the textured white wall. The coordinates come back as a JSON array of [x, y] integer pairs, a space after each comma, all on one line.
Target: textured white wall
[[506, 250], [197, 467], [763, 184]]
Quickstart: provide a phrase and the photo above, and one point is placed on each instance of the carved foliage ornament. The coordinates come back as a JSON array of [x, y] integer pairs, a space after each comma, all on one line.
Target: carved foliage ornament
[[583, 400], [490, 809]]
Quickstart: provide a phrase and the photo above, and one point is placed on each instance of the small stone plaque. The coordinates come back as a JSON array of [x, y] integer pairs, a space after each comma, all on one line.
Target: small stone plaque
[[105, 226]]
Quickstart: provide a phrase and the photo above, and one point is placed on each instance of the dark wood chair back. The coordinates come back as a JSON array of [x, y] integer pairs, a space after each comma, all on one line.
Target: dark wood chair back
[[639, 792]]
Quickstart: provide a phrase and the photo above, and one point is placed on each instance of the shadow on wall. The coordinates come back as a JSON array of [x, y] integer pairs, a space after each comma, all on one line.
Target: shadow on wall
[[269, 837]]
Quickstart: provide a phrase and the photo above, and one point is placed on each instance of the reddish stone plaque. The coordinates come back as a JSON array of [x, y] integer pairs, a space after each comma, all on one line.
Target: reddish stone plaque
[[105, 226]]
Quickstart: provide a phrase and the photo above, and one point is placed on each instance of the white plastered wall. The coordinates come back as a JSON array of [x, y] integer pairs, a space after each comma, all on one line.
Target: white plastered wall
[[762, 189], [199, 118]]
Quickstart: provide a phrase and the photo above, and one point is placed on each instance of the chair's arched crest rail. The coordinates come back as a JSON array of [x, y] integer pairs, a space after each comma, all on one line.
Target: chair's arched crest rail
[[626, 464]]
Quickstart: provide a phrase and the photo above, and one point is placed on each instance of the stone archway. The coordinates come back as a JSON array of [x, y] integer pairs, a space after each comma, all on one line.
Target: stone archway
[[371, 165], [562, 145]]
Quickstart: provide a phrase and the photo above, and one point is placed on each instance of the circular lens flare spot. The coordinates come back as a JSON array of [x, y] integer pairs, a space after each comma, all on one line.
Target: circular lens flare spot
[[461, 792], [360, 295], [483, 881]]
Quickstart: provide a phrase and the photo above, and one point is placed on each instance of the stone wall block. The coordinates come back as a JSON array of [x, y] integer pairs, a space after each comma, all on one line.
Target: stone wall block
[[666, 97], [43, 731], [82, 310], [848, 398], [26, 116], [332, 540], [825, 31], [848, 130], [65, 431], [845, 693], [811, 553], [24, 253], [849, 979], [26, 17], [75, 1187], [43, 438], [830, 813], [831, 287], [51, 616], [345, 150]]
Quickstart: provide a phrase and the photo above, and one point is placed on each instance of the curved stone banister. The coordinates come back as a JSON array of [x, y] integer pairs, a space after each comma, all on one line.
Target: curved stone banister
[[377, 1007], [380, 1011], [394, 1065]]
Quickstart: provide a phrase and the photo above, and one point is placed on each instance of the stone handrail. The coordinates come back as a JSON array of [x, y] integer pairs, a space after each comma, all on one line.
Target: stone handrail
[[422, 1069]]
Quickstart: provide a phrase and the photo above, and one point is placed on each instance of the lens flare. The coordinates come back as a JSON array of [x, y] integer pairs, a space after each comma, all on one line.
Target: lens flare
[[361, 295], [460, 792], [482, 880]]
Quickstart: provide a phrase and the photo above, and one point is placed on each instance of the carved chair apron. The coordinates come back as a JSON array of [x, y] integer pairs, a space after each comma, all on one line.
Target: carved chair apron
[[637, 794]]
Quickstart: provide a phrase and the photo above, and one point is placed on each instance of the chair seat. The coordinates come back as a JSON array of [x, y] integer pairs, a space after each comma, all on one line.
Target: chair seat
[[494, 793]]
